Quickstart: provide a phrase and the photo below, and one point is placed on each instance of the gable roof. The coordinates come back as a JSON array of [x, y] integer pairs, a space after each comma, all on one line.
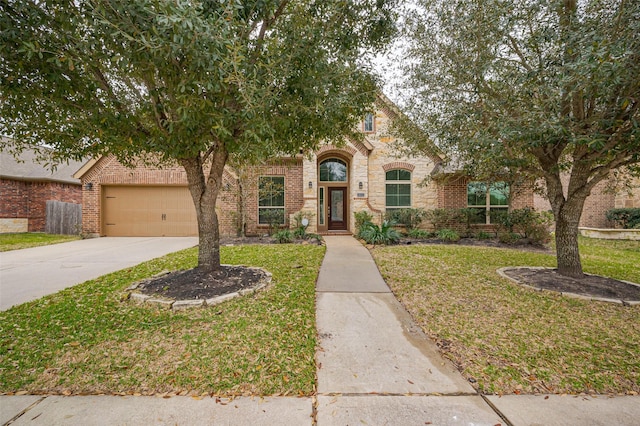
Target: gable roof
[[27, 167], [393, 112]]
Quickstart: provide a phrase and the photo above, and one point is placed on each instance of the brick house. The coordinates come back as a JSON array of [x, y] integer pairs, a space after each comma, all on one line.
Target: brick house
[[26, 186], [329, 185]]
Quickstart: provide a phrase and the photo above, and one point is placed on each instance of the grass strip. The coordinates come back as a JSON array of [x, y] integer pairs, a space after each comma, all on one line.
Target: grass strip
[[509, 339], [32, 239], [84, 340]]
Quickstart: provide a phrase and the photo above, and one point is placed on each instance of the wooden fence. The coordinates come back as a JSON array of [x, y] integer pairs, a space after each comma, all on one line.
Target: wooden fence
[[63, 218]]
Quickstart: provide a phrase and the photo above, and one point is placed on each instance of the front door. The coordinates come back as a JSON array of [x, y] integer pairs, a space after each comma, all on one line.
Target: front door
[[337, 208]]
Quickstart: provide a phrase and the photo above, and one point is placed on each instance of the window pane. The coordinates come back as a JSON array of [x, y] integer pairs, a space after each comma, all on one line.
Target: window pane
[[398, 174], [398, 195], [271, 191], [322, 213], [333, 170], [499, 194], [476, 194], [404, 175], [392, 175], [368, 122]]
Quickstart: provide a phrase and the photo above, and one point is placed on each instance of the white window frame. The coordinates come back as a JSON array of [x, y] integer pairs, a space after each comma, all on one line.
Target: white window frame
[[398, 182], [284, 199]]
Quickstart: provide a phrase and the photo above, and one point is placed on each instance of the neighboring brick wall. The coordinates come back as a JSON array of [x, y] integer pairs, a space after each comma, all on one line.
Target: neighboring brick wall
[[26, 199]]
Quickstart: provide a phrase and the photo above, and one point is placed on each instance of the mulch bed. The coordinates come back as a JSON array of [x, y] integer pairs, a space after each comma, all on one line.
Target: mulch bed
[[195, 284], [589, 285]]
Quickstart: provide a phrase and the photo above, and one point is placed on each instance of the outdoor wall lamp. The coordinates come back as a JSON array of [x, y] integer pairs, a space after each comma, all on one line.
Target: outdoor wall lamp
[[310, 184], [88, 186], [360, 185]]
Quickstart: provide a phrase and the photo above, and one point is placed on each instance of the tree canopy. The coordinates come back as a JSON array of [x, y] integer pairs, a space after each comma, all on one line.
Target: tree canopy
[[192, 82], [531, 89]]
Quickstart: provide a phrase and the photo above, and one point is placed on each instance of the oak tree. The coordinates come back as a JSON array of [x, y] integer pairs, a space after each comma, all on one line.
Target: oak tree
[[531, 88], [192, 82]]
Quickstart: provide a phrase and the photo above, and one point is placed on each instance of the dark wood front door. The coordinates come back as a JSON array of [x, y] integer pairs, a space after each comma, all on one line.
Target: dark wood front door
[[338, 217]]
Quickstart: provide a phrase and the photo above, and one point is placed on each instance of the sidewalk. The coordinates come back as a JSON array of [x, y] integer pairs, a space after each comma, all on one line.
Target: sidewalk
[[375, 367]]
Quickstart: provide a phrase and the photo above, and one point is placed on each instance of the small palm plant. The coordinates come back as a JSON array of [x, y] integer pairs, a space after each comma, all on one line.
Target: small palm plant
[[383, 234]]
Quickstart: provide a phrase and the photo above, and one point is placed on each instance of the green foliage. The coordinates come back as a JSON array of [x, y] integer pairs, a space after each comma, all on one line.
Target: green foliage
[[482, 235], [627, 218], [283, 236], [521, 91], [383, 234], [509, 237], [418, 233], [274, 218], [363, 218], [411, 218], [447, 235], [460, 220], [30, 239], [525, 223]]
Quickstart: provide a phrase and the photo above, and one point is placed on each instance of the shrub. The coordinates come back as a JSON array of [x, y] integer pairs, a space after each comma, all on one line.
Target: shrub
[[274, 218], [384, 234], [627, 218], [418, 233], [459, 220], [283, 237], [481, 235], [448, 235], [509, 237], [525, 223], [410, 218], [362, 219]]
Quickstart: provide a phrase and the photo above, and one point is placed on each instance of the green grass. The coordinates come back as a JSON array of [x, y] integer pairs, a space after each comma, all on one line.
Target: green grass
[[30, 239], [508, 339], [84, 340]]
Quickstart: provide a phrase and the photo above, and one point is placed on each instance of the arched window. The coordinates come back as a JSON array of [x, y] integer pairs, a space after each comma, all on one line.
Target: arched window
[[333, 170], [398, 189]]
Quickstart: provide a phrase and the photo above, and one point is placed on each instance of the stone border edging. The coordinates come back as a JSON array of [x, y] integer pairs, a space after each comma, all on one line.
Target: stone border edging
[[130, 294], [501, 272]]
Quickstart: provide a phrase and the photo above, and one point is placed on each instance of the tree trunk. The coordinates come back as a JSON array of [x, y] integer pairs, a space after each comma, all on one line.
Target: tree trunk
[[567, 216], [567, 253], [205, 194]]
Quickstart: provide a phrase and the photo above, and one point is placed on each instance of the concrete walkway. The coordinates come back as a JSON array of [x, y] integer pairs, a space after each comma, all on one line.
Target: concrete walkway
[[31, 273], [375, 367]]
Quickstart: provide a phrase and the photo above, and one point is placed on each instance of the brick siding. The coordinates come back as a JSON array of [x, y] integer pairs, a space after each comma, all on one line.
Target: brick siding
[[108, 171], [28, 199]]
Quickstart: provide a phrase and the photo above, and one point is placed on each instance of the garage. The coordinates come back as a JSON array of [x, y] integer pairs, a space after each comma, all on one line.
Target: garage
[[148, 211]]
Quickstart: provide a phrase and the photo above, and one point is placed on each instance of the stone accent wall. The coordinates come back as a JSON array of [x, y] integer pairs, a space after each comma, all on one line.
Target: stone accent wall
[[28, 200]]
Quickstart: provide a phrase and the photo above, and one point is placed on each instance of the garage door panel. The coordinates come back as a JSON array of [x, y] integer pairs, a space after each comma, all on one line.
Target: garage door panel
[[148, 211]]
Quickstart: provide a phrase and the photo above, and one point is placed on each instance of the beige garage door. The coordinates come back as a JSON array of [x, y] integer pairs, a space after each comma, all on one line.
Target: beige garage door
[[145, 211]]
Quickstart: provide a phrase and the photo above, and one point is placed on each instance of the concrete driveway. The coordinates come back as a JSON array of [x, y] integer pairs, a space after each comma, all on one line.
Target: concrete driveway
[[31, 273]]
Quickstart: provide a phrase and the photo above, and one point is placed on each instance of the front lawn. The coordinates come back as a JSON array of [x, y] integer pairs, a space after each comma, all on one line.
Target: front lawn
[[31, 239], [509, 339], [84, 340]]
